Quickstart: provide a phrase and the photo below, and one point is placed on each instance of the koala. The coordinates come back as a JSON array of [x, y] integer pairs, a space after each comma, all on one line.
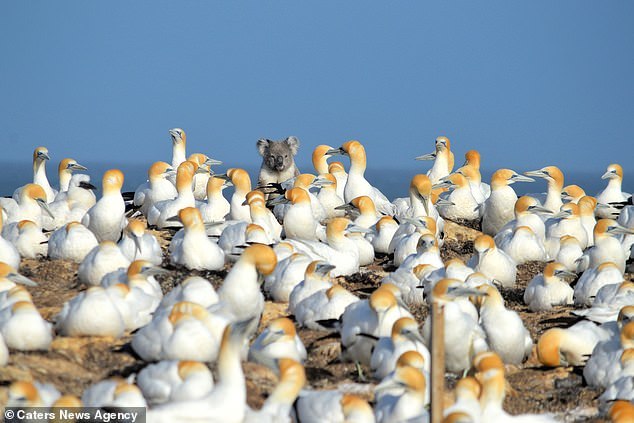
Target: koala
[[278, 163]]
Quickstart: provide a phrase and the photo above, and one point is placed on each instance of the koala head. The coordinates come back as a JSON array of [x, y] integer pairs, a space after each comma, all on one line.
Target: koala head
[[278, 155]]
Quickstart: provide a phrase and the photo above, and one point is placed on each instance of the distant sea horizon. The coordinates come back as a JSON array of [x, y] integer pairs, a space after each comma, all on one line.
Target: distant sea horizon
[[391, 181]]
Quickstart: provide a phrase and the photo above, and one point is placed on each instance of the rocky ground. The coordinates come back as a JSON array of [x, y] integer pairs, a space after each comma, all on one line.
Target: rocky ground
[[73, 364]]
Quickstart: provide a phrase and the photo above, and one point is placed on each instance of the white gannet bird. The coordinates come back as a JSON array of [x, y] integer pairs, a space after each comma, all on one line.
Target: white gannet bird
[[337, 170], [549, 289], [91, 313], [31, 394], [323, 305], [332, 406], [367, 215], [405, 242], [279, 340], [320, 157], [405, 337], [28, 239], [467, 403], [101, 260], [193, 249], [28, 205], [179, 146], [217, 206], [611, 303], [612, 192], [277, 407], [464, 337], [479, 191], [239, 209], [226, 403], [262, 216], [172, 381], [587, 206], [499, 206], [340, 251], [566, 222], [493, 262], [287, 274], [505, 331], [328, 197], [493, 392], [139, 244], [569, 252], [203, 174], [593, 279], [240, 292], [410, 282], [555, 179], [409, 404], [606, 246], [374, 317], [299, 222], [184, 331], [9, 254], [158, 188], [106, 219], [40, 157], [193, 289], [357, 185], [461, 203], [427, 252], [162, 213], [24, 329], [306, 181], [114, 392], [604, 367], [140, 274], [412, 359], [526, 214], [572, 193], [523, 245], [443, 160], [9, 277], [382, 234], [623, 387], [419, 201], [316, 278], [65, 171], [71, 242], [571, 346]]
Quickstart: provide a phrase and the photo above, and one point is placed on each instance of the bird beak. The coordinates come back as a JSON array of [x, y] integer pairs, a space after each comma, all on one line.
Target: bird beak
[[42, 155], [76, 166], [387, 384], [443, 184], [212, 162], [565, 273], [175, 136], [430, 156], [444, 203], [419, 223], [415, 337], [324, 268], [620, 230], [535, 173], [539, 209], [357, 229], [223, 176], [155, 270], [521, 178], [460, 291], [608, 175], [174, 218], [44, 206], [22, 280], [562, 214], [271, 337], [345, 207], [137, 242], [321, 182], [278, 200], [425, 205], [336, 152]]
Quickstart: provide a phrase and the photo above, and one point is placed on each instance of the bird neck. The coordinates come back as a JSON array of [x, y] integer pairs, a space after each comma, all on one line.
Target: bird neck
[[39, 173], [64, 180], [178, 154]]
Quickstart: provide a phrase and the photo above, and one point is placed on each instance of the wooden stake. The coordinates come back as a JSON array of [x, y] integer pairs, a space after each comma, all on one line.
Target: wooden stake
[[437, 362]]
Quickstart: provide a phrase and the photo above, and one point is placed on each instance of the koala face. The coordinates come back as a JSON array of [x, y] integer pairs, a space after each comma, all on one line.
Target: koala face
[[278, 155]]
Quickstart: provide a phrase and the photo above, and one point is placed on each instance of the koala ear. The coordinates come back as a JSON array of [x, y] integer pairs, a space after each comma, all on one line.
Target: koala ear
[[293, 143], [262, 145]]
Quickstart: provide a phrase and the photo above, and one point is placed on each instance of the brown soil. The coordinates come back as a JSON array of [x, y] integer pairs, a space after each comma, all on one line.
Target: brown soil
[[72, 364]]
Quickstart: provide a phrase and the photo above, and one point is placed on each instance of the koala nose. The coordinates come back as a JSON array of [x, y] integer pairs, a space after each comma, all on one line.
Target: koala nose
[[279, 160]]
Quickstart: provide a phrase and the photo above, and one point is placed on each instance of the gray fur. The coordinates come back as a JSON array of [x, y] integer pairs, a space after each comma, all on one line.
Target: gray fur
[[278, 164]]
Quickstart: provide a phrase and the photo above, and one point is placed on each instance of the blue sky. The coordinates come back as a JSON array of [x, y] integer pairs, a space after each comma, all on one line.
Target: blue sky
[[528, 84]]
